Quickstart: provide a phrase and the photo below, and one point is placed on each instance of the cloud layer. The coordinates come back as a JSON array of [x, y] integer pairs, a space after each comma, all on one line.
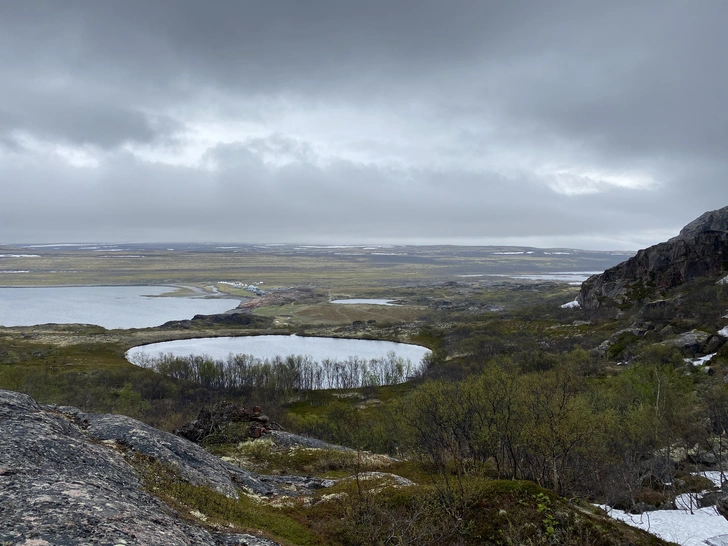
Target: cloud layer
[[594, 125]]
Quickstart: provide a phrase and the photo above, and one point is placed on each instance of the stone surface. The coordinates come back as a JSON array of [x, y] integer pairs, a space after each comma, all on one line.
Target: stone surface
[[700, 250], [217, 420], [64, 480], [694, 341], [288, 440]]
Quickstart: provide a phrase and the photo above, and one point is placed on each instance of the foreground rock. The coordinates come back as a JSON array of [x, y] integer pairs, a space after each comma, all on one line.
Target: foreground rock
[[65, 479], [700, 250]]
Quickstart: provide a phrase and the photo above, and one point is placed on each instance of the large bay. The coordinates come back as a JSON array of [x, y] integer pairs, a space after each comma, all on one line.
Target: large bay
[[107, 306]]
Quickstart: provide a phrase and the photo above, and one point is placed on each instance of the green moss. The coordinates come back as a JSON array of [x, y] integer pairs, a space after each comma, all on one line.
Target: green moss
[[624, 341], [262, 455], [246, 514]]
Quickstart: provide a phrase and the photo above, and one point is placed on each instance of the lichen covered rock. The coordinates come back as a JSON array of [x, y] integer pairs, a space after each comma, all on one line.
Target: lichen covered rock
[[65, 479]]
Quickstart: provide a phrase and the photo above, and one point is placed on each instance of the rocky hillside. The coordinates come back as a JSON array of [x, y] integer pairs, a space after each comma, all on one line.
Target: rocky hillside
[[69, 478], [700, 250]]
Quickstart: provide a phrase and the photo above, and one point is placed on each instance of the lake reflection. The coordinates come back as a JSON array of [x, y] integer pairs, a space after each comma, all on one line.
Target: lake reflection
[[272, 347]]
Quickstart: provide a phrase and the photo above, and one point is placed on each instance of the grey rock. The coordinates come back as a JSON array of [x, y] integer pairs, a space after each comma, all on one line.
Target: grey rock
[[714, 220], [714, 343], [218, 420], [722, 506], [603, 347], [720, 540], [288, 439], [700, 250], [694, 341], [196, 465], [709, 499], [65, 480]]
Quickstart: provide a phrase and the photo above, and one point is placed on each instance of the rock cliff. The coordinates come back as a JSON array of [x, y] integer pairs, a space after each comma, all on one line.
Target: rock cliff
[[700, 250], [66, 478]]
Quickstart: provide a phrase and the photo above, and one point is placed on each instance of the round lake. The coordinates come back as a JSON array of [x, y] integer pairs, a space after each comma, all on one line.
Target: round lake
[[269, 347]]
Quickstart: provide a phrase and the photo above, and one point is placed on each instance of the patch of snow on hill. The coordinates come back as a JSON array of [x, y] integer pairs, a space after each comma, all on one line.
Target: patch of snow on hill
[[703, 526], [700, 361]]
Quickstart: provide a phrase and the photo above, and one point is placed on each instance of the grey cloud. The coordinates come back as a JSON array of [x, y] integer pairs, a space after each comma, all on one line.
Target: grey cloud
[[9, 144], [471, 99], [100, 125], [258, 46], [78, 112], [246, 200]]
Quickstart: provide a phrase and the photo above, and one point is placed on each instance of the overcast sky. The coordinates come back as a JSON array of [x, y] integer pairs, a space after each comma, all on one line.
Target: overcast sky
[[600, 125]]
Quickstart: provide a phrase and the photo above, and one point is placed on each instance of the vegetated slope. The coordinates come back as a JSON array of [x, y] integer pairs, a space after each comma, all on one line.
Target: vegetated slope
[[72, 478], [700, 250]]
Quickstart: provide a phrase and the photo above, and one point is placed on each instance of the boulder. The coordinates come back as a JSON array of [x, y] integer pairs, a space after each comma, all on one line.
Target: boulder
[[694, 341], [219, 417]]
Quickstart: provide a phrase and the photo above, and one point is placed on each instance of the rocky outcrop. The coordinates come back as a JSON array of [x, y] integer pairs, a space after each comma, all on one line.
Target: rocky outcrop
[[289, 440], [65, 478], [700, 250], [220, 421], [694, 341]]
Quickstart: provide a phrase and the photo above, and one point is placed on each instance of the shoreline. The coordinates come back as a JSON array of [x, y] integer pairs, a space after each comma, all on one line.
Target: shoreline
[[196, 292]]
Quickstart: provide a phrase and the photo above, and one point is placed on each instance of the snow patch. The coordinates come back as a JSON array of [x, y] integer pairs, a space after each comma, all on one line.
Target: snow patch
[[700, 361], [19, 255], [702, 526], [571, 305], [723, 332], [724, 280], [716, 476]]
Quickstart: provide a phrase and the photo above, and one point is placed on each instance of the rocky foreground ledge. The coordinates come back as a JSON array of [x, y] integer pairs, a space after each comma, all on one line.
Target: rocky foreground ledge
[[66, 479]]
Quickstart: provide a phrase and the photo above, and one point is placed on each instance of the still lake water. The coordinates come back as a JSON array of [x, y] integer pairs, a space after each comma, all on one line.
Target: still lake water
[[268, 347], [107, 306], [364, 302]]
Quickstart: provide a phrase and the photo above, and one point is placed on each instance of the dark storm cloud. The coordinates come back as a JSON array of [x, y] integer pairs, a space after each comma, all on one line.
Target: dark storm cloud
[[84, 122], [591, 122]]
